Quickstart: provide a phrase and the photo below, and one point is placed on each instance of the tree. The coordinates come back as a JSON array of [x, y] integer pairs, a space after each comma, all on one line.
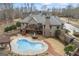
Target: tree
[[69, 8], [7, 11]]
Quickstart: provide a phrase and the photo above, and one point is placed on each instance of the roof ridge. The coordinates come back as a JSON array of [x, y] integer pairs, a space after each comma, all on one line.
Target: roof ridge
[[34, 19]]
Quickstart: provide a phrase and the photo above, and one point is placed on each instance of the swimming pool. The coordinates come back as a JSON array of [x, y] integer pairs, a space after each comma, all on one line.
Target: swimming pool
[[26, 46]]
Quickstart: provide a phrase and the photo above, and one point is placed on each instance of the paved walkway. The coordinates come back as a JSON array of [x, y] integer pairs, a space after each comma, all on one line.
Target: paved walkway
[[51, 51], [55, 47]]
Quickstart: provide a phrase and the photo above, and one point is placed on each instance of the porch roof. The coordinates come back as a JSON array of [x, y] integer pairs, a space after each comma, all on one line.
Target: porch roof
[[4, 39]]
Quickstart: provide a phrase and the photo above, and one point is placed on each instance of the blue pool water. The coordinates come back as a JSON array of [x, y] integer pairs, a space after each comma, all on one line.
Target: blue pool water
[[25, 45]]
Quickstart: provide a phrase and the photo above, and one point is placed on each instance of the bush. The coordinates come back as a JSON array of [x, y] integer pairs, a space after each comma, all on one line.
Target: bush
[[18, 24], [13, 27], [9, 28], [69, 48]]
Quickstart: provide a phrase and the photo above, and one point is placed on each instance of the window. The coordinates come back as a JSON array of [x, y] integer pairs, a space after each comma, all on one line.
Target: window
[[50, 26]]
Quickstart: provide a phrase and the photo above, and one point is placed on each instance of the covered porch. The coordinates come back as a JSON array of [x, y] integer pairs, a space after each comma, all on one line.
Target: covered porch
[[32, 28]]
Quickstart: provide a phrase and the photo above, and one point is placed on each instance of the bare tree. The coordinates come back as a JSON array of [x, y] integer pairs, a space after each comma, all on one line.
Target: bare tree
[[7, 11], [69, 7]]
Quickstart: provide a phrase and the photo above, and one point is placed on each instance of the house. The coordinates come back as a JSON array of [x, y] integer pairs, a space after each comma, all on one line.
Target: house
[[41, 24]]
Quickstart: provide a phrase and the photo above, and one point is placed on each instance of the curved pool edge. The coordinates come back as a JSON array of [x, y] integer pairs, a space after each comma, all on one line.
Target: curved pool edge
[[15, 50]]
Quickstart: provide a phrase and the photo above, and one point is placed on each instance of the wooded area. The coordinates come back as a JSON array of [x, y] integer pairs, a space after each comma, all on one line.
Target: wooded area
[[8, 11]]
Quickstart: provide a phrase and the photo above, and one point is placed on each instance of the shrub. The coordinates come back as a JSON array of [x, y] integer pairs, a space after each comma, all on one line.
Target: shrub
[[9, 28], [13, 27], [18, 24], [69, 48]]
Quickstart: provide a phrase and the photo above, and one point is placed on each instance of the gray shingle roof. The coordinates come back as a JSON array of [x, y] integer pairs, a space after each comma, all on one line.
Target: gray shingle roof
[[25, 20], [39, 18], [54, 20]]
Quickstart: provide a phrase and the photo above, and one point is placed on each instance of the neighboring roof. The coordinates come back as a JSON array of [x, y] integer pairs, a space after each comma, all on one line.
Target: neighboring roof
[[54, 20]]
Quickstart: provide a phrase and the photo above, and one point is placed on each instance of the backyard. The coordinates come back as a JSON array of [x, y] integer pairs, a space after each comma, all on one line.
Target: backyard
[[27, 31], [53, 43]]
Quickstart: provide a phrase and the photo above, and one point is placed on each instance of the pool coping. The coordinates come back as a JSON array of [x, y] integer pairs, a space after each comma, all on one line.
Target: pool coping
[[14, 49]]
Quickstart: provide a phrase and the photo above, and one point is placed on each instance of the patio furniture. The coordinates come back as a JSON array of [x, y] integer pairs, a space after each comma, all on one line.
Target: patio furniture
[[35, 36]]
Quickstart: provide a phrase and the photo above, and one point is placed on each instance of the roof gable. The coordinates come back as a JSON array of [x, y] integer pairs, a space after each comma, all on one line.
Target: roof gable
[[32, 21], [39, 18]]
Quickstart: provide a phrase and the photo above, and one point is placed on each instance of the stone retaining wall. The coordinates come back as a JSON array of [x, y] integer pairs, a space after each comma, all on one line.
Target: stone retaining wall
[[67, 38]]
